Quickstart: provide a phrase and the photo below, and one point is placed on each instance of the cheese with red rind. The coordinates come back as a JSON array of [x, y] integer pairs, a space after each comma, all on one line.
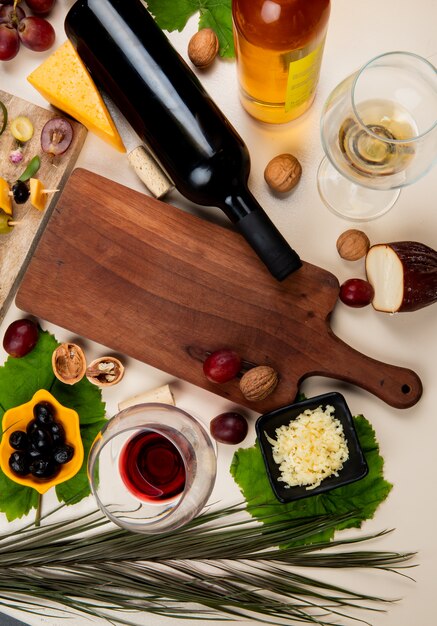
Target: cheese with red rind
[[403, 275]]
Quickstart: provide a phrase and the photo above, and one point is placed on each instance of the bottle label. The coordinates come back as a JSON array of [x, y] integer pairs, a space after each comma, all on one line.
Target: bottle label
[[303, 76]]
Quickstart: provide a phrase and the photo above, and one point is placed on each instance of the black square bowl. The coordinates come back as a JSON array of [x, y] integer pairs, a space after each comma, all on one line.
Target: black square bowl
[[353, 469]]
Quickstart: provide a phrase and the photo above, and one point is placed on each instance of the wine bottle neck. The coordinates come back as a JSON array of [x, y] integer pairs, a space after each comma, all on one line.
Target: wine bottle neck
[[239, 204], [260, 232]]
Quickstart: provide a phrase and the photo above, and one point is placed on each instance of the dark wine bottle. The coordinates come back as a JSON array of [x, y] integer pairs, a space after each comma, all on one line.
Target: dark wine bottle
[[130, 58]]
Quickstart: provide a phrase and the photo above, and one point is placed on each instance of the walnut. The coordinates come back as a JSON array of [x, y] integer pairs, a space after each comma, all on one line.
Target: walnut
[[258, 383], [69, 363], [203, 47], [353, 244], [105, 371], [283, 173]]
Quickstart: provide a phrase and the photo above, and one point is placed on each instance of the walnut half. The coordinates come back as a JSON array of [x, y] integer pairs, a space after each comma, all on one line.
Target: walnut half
[[105, 371], [69, 363]]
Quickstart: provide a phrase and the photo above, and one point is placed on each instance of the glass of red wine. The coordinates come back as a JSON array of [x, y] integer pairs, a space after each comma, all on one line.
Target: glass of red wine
[[152, 469]]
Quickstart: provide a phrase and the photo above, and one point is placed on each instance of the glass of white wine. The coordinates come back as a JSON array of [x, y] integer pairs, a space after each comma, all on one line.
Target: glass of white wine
[[379, 133]]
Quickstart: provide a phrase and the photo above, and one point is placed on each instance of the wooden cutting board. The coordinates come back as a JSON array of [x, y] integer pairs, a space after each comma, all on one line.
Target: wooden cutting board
[[17, 246], [165, 287]]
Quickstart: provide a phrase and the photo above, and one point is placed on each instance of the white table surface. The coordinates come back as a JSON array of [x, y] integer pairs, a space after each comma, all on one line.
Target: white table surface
[[357, 32]]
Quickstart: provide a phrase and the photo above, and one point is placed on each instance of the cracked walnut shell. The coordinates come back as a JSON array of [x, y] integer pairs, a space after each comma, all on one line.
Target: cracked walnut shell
[[105, 371], [69, 363], [258, 383]]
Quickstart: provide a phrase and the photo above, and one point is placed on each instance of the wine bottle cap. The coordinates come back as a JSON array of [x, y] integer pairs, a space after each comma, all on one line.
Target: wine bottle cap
[[277, 254]]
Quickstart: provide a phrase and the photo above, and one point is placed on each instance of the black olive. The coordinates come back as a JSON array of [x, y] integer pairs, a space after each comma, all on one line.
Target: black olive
[[31, 427], [18, 440], [43, 413], [20, 191], [40, 439], [57, 433], [33, 454], [44, 467], [18, 462], [63, 454]]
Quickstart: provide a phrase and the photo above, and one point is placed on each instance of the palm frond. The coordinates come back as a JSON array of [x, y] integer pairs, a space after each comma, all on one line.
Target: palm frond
[[221, 565]]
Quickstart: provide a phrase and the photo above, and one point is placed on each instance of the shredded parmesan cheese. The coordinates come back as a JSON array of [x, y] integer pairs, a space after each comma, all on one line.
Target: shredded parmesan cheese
[[311, 448]]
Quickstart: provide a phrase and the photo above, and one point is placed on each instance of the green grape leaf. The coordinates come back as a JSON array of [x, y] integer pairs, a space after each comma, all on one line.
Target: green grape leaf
[[363, 496], [77, 488], [16, 500], [216, 14], [19, 380]]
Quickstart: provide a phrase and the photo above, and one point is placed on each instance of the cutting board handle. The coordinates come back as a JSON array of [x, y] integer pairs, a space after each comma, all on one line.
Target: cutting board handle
[[398, 386]]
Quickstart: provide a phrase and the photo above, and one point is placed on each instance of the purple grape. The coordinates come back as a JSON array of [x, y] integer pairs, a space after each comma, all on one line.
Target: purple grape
[[9, 42], [40, 7], [11, 16], [36, 33], [229, 428], [222, 365], [20, 336], [56, 136], [356, 292]]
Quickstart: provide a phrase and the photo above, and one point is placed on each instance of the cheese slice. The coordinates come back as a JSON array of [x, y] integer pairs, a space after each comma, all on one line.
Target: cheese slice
[[64, 81]]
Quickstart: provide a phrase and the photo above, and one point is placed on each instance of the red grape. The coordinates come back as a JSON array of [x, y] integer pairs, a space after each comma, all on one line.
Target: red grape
[[9, 15], [229, 428], [20, 337], [221, 366], [356, 292], [40, 7], [36, 33], [9, 42]]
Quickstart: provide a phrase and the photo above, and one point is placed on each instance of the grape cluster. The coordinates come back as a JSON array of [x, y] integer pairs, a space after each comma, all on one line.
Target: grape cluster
[[41, 449], [17, 28]]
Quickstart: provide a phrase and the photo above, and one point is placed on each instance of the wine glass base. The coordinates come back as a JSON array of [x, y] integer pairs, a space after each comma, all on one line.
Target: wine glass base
[[350, 201]]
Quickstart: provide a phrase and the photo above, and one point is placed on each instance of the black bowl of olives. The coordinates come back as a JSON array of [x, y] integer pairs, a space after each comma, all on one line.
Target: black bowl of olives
[[41, 444]]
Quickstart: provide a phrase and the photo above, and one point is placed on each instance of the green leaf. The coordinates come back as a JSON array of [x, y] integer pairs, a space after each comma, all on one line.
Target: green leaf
[[16, 500], [77, 488], [363, 496], [31, 169], [4, 113], [19, 380], [84, 398], [216, 14]]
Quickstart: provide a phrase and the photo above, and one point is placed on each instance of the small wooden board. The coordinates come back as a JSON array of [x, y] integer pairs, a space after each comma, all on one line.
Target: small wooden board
[[151, 281], [17, 246]]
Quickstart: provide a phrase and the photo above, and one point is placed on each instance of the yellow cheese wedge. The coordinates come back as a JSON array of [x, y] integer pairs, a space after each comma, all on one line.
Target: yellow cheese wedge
[[5, 198], [64, 81], [37, 197]]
